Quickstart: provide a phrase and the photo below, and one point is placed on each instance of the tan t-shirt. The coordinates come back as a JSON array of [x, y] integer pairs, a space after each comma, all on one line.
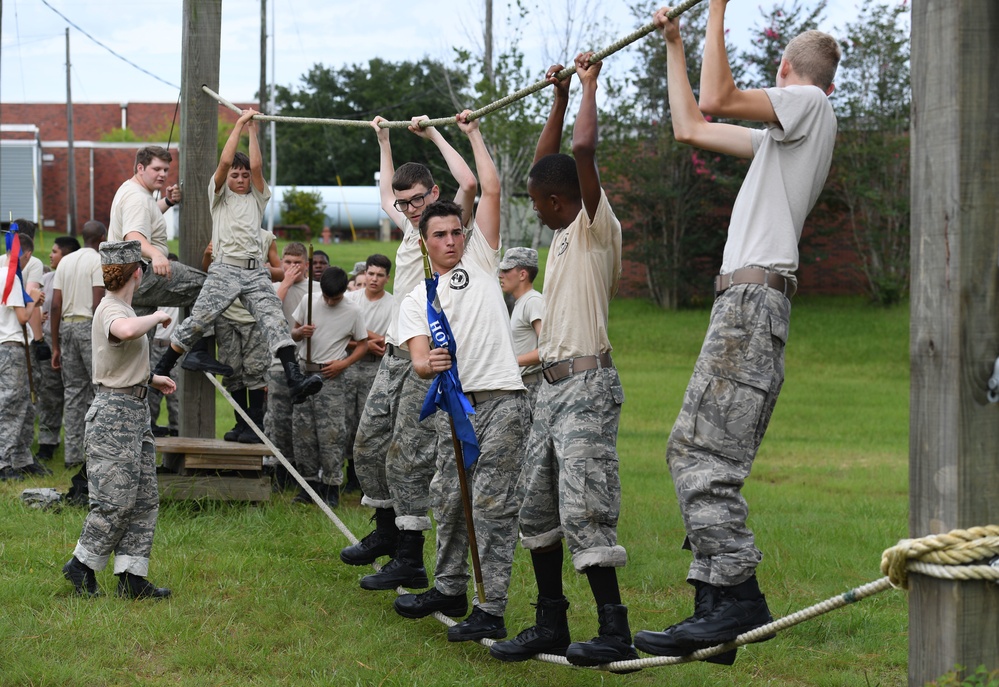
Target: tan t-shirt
[[117, 363], [133, 209], [334, 328], [528, 309], [581, 276], [236, 221], [378, 315], [76, 276]]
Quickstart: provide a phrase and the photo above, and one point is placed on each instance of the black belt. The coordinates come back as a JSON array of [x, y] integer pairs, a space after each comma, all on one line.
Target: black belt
[[139, 390], [250, 264], [557, 371], [755, 275], [397, 352], [477, 397]]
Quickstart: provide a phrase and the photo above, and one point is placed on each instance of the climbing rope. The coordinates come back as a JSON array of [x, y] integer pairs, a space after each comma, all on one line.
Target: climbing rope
[[491, 107], [945, 556]]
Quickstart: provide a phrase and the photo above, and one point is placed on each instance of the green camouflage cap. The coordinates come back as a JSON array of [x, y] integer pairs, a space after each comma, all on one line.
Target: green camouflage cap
[[120, 252], [519, 256]]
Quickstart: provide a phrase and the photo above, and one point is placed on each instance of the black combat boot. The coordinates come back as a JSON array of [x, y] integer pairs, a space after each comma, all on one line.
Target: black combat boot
[[82, 577], [664, 644], [233, 434], [612, 643], [429, 602], [165, 365], [200, 359], [479, 625], [46, 451], [300, 386], [134, 587], [734, 611], [256, 398], [381, 542], [79, 487], [548, 635], [405, 570]]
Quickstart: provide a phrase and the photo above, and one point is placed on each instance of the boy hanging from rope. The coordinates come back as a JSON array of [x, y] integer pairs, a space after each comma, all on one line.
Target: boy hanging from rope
[[740, 369], [238, 195]]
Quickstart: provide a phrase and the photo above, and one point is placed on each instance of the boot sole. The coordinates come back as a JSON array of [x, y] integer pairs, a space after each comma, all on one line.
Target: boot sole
[[518, 658], [499, 633], [367, 560], [423, 612], [589, 661], [415, 582]]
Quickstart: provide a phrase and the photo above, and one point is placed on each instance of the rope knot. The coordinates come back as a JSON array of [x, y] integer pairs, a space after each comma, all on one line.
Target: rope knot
[[946, 556]]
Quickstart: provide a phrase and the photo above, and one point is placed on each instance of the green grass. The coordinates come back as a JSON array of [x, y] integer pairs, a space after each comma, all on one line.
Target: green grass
[[260, 596]]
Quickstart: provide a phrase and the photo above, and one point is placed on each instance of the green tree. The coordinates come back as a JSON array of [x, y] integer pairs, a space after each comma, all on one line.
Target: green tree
[[871, 165], [303, 208], [318, 154]]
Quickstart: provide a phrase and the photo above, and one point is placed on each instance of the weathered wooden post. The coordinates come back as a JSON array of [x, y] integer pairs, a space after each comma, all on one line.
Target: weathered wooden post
[[198, 158], [954, 340]]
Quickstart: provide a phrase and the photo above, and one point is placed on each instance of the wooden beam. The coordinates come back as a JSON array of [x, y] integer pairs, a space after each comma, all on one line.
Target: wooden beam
[[954, 433], [198, 158]]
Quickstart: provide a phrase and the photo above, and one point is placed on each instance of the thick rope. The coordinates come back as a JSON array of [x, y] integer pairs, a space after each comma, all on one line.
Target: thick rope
[[942, 555], [491, 107]]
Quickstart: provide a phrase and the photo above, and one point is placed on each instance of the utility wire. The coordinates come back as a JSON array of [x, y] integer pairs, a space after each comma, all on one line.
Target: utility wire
[[120, 57]]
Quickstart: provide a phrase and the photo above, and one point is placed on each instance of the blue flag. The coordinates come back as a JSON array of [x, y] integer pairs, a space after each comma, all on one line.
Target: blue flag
[[445, 391]]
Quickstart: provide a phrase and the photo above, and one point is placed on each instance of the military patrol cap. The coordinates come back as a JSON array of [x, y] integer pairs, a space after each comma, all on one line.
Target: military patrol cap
[[519, 256], [360, 267], [120, 252]]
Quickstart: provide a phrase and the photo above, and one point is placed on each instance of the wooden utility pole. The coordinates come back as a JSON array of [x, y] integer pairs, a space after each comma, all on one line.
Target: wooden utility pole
[[71, 220], [954, 340], [199, 116]]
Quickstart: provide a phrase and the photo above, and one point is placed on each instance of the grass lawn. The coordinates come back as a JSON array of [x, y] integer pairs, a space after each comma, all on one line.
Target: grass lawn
[[260, 596]]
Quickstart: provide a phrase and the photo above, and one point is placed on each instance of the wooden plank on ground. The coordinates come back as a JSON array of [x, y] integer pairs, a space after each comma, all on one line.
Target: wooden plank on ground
[[196, 445], [188, 487], [211, 461]]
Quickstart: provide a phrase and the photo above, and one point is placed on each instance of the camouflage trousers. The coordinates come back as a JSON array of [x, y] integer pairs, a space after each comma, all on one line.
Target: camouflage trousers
[[319, 434], [155, 397], [374, 430], [411, 460], [571, 477], [17, 427], [226, 283], [243, 347], [49, 396], [725, 412], [77, 383], [277, 419], [359, 378], [121, 476], [493, 488], [532, 398], [180, 290]]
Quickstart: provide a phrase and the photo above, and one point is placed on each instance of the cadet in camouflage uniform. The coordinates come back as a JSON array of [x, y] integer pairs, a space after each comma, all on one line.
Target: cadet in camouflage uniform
[[15, 398], [319, 421], [394, 452], [121, 459], [740, 369], [76, 290], [48, 382], [573, 490], [470, 297], [237, 195]]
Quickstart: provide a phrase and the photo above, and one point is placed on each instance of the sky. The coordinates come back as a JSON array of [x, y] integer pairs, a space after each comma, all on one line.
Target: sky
[[148, 33]]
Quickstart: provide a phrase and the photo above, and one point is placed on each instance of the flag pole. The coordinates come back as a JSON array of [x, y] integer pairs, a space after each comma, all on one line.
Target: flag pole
[[459, 457], [308, 340]]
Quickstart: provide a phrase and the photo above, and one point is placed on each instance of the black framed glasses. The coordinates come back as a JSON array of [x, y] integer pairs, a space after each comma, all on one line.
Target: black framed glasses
[[416, 202]]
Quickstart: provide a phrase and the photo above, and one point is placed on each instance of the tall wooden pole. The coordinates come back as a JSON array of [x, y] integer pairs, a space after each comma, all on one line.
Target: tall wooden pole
[[199, 117], [954, 433], [71, 220]]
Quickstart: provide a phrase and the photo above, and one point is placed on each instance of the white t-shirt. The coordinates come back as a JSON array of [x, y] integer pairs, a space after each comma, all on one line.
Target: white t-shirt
[[32, 272], [236, 219], [528, 309], [470, 297], [334, 328], [790, 164], [134, 209], [582, 274], [76, 276], [10, 328], [378, 315]]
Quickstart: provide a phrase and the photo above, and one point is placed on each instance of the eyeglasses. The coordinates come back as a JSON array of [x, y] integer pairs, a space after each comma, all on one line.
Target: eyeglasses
[[416, 202]]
